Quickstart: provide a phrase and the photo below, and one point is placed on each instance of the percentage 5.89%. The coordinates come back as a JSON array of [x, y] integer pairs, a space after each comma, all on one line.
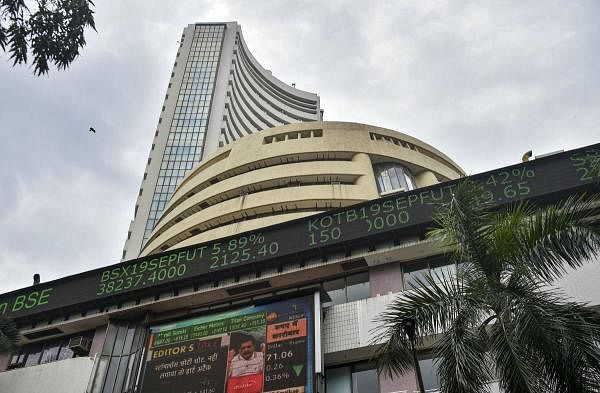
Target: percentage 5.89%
[[241, 249]]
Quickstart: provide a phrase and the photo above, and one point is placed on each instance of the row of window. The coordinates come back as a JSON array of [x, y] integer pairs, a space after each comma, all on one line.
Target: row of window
[[203, 94], [159, 204], [198, 97], [362, 377], [175, 149], [46, 352], [199, 70], [201, 67], [355, 378], [174, 165], [200, 74], [196, 133], [177, 159], [347, 289], [199, 62], [199, 114], [415, 273], [191, 133], [207, 61], [206, 42], [207, 36], [179, 173], [208, 31], [356, 287], [194, 87], [192, 107], [182, 136], [202, 107], [190, 122]]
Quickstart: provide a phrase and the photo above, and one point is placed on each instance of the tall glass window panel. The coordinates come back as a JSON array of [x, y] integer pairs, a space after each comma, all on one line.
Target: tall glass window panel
[[429, 372], [442, 269], [336, 289], [393, 177], [65, 352], [50, 352], [365, 379], [357, 287], [413, 273], [338, 380], [33, 357]]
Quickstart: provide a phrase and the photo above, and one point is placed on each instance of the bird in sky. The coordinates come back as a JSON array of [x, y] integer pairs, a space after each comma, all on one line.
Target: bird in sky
[[92, 130]]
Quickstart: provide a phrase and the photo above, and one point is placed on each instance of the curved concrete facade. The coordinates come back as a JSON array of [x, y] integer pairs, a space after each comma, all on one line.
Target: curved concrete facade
[[289, 172], [256, 100]]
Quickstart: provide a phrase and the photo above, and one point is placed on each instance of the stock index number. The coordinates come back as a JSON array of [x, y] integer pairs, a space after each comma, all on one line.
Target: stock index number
[[241, 249], [513, 183]]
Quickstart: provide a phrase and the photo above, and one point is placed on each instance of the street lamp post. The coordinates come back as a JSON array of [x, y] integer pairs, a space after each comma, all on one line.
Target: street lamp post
[[409, 330]]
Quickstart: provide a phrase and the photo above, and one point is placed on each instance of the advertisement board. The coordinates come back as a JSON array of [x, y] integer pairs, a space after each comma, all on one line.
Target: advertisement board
[[259, 349]]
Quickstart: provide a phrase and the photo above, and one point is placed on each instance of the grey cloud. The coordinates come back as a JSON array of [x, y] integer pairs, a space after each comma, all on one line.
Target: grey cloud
[[482, 82]]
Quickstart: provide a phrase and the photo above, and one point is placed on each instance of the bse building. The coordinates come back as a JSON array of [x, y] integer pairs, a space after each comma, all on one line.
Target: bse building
[[265, 242]]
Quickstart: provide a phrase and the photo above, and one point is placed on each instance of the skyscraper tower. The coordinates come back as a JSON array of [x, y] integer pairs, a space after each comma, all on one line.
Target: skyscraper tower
[[217, 93]]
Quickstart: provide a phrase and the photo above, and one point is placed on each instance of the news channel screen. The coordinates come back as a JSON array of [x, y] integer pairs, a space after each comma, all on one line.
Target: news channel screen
[[258, 349]]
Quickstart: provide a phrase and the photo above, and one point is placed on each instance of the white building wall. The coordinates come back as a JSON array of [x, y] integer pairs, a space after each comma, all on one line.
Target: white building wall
[[64, 376], [350, 325]]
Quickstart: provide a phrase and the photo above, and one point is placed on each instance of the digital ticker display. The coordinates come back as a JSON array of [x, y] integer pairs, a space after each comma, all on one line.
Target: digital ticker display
[[258, 349], [547, 178]]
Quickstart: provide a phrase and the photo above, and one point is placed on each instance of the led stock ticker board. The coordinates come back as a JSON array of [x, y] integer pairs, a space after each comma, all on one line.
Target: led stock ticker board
[[266, 348], [547, 178]]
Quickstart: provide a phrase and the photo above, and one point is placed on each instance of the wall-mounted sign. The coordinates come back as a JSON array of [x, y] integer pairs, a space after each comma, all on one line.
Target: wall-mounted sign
[[549, 178], [267, 348]]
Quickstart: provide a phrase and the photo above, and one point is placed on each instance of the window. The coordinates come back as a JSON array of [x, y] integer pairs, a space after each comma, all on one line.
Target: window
[[413, 273], [45, 352], [50, 352], [418, 271], [429, 372], [392, 177], [356, 378], [120, 357], [348, 289], [357, 287]]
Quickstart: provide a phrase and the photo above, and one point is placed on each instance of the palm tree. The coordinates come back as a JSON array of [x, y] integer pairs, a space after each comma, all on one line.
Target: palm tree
[[9, 334], [499, 316]]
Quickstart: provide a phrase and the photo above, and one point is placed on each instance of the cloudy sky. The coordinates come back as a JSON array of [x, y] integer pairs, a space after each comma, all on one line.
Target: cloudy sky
[[481, 81]]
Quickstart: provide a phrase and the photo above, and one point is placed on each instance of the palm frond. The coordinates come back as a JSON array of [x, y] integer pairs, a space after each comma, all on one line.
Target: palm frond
[[559, 236], [464, 366], [514, 367], [561, 335], [463, 225], [394, 357], [434, 305]]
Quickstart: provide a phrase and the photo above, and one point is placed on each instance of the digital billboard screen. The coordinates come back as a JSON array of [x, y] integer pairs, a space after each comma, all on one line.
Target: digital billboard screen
[[550, 178], [258, 349]]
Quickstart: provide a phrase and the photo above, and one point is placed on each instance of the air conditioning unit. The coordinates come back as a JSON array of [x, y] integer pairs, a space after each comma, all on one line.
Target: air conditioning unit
[[80, 345]]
